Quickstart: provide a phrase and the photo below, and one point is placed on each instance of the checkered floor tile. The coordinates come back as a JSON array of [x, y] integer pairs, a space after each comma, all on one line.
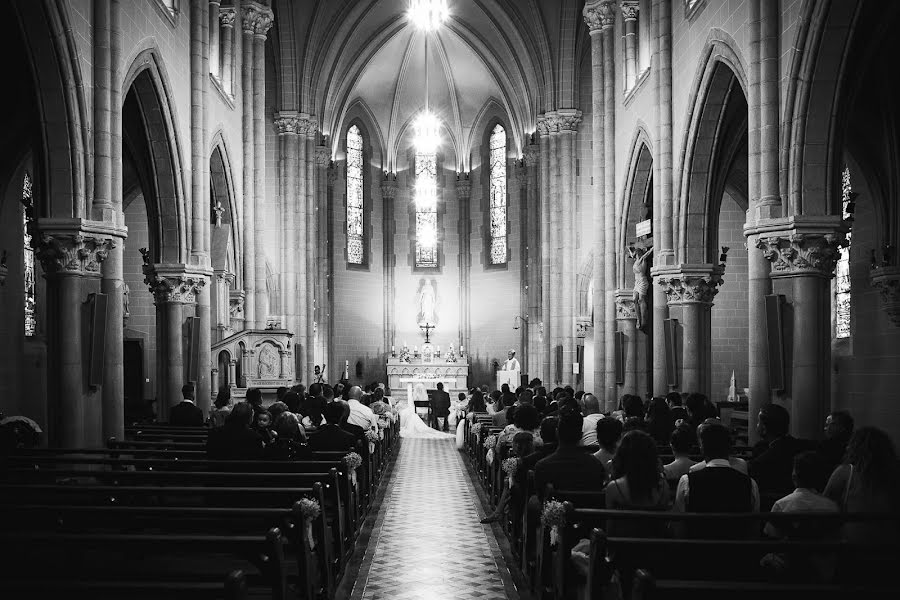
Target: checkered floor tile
[[428, 543]]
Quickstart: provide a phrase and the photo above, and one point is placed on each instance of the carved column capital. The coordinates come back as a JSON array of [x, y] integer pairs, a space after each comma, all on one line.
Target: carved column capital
[[309, 125], [236, 304], [568, 119], [689, 284], [887, 281], [227, 15], [543, 127], [531, 155], [630, 9], [583, 326], [256, 19], [287, 123], [323, 156], [593, 17], [389, 186], [463, 186], [72, 252], [172, 283], [809, 253], [625, 307]]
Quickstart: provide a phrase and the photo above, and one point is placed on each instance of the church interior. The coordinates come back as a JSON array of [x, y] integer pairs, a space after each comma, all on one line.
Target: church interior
[[231, 227]]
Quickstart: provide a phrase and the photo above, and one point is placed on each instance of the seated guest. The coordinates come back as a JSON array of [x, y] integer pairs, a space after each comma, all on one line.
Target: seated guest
[[292, 400], [838, 429], [569, 468], [548, 436], [633, 424], [773, 457], [313, 405], [735, 461], [235, 440], [718, 487], [632, 406], [290, 443], [525, 420], [330, 436], [500, 418], [222, 408], [636, 483], [262, 424], [186, 413], [327, 393], [505, 393], [276, 409], [867, 482], [522, 445], [476, 405], [280, 392], [609, 432], [678, 411], [590, 408], [682, 442], [360, 414], [809, 476], [659, 422], [254, 399], [339, 390]]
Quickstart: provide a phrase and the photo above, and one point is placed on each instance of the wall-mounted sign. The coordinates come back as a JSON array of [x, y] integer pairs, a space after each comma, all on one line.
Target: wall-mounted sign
[[644, 228]]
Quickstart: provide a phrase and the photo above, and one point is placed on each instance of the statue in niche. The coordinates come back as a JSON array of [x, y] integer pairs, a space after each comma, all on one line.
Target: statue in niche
[[268, 362], [126, 292], [218, 210], [641, 268], [427, 302]]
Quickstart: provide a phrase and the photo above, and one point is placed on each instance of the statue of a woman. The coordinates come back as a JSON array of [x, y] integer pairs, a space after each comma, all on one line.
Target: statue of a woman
[[426, 303], [641, 268]]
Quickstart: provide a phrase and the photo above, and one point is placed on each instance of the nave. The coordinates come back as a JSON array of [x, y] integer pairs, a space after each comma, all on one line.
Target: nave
[[427, 541]]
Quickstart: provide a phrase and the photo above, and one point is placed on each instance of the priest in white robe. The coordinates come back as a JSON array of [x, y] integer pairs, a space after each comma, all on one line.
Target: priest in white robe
[[512, 363]]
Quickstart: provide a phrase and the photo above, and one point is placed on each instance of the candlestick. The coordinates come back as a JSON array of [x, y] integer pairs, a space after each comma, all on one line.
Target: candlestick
[[415, 349]]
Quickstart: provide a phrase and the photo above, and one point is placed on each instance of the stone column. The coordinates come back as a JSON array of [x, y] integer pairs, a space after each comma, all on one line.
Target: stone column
[[71, 253], [520, 175], [388, 193], [607, 21], [802, 259], [214, 50], [262, 24], [251, 13], [693, 287], [226, 48], [630, 10], [543, 129], [309, 242], [287, 123], [626, 316], [214, 378], [568, 120], [554, 202], [302, 294], [323, 307], [463, 200], [594, 20], [232, 373], [533, 255], [102, 90], [173, 287]]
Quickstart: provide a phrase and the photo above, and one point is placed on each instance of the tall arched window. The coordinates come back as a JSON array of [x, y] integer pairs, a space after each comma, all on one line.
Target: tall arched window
[[426, 209], [842, 275], [28, 259], [498, 195], [355, 213]]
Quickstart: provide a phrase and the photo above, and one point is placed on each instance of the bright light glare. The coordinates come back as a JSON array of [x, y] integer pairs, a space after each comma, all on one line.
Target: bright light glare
[[426, 194], [427, 132], [428, 15]]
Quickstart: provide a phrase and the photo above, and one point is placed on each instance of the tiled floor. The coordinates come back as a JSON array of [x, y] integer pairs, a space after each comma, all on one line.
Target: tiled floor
[[427, 543]]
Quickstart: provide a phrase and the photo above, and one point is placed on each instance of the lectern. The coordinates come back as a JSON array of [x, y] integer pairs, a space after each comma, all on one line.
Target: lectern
[[513, 378]]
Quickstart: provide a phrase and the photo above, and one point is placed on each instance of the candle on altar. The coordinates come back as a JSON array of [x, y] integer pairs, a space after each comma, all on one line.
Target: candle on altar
[[346, 369], [392, 349], [462, 349], [415, 348], [438, 349]]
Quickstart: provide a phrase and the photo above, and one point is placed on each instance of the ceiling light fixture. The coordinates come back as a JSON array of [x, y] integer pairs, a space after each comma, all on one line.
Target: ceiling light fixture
[[428, 15]]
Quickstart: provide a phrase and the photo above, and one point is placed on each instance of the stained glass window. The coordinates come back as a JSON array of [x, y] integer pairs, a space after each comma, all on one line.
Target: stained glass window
[[426, 209], [842, 278], [355, 215], [498, 195], [28, 260]]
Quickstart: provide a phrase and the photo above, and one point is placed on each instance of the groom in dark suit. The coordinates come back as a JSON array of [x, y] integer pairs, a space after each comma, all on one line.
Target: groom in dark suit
[[440, 406]]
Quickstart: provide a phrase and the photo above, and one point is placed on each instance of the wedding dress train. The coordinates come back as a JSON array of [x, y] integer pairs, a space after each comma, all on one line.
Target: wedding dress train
[[412, 425]]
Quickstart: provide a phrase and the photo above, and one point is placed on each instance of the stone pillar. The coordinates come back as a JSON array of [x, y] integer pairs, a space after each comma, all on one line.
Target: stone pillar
[[215, 50], [626, 316], [261, 27], [543, 129], [323, 307], [302, 294], [693, 287], [594, 20], [287, 123], [102, 90], [802, 257], [214, 378], [630, 10], [554, 202], [663, 222], [173, 287], [226, 48], [309, 243], [71, 253], [533, 257], [388, 193], [232, 373], [886, 279], [251, 13], [568, 120], [463, 200], [607, 21]]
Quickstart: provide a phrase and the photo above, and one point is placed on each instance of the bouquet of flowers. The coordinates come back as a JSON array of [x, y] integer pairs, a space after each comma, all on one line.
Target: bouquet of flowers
[[372, 435], [553, 516], [354, 461], [510, 466], [310, 510], [476, 428], [490, 442]]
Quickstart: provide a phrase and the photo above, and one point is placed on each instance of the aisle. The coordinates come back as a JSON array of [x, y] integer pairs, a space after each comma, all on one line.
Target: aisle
[[427, 543]]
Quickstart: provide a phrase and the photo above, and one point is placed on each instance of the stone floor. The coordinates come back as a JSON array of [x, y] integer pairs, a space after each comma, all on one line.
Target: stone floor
[[427, 543]]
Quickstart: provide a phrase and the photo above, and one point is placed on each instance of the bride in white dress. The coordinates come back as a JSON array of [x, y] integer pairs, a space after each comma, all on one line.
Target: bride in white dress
[[411, 425]]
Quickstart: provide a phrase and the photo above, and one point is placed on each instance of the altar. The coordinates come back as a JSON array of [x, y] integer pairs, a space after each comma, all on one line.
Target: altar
[[402, 375]]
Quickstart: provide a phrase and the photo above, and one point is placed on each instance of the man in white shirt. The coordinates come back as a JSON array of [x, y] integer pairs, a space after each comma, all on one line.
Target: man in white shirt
[[591, 410], [512, 363], [360, 414]]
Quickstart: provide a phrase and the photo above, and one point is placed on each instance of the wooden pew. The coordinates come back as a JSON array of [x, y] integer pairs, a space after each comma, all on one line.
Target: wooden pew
[[68, 558]]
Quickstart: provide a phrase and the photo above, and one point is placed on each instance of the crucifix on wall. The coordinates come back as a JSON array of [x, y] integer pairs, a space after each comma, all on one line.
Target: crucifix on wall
[[427, 327]]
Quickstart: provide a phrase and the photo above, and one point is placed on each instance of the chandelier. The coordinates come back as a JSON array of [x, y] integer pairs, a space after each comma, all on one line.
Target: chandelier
[[428, 15]]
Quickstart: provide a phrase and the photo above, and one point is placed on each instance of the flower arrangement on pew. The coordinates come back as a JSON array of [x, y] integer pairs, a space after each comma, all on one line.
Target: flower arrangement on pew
[[553, 516], [372, 436], [490, 442], [310, 511], [510, 466], [354, 461]]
